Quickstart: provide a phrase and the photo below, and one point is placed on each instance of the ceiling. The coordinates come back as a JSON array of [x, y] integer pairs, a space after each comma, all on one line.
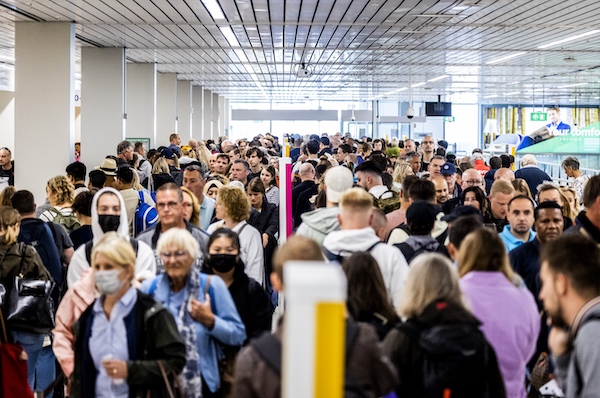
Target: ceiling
[[486, 51]]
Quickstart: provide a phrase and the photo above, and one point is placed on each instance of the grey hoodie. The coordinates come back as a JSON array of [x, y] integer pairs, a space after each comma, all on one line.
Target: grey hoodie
[[145, 265], [318, 223]]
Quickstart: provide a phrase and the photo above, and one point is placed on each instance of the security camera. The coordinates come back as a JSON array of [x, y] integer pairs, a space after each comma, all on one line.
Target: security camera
[[353, 118], [410, 112]]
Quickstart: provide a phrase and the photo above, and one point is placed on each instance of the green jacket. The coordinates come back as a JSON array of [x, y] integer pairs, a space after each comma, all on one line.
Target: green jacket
[[10, 262], [156, 337]]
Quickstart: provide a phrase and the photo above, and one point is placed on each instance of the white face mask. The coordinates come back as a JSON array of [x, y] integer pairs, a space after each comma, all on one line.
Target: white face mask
[[108, 282]]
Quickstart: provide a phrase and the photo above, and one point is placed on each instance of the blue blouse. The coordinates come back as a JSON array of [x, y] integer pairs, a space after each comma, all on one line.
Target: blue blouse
[[228, 329]]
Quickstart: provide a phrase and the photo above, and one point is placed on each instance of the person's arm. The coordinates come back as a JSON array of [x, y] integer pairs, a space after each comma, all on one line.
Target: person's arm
[[165, 344], [77, 265], [228, 326], [273, 223], [261, 310], [399, 275], [253, 258]]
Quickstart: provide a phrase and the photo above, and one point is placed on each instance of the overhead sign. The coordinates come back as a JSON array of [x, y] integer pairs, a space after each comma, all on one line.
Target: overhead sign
[[539, 116], [449, 118]]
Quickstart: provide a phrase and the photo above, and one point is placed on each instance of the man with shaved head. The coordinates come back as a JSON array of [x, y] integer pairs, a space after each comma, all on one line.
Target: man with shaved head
[[307, 178], [504, 174]]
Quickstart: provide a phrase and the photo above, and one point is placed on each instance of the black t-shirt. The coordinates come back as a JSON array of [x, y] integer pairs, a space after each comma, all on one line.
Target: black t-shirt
[[7, 177]]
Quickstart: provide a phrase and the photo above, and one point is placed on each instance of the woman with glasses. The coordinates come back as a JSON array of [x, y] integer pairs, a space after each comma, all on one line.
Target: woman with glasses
[[204, 311]]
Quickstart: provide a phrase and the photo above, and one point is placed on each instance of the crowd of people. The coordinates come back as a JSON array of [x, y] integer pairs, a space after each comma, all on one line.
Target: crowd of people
[[467, 276]]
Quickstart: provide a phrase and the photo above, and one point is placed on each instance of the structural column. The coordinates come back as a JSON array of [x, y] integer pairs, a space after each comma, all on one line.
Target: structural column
[[227, 117], [184, 110], [197, 113], [102, 103], [216, 128], [166, 107], [207, 133], [222, 126], [141, 102], [44, 103]]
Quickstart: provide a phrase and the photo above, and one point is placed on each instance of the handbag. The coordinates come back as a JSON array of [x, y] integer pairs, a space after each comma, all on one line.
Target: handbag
[[169, 388], [13, 368], [28, 303]]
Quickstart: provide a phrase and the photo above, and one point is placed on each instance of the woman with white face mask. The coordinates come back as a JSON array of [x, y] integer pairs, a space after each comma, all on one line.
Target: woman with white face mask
[[124, 337]]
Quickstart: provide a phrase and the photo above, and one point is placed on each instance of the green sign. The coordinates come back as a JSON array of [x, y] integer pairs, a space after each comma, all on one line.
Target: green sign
[[448, 118], [539, 116]]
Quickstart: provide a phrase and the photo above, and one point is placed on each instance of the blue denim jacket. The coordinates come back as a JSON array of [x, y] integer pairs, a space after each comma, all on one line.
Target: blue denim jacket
[[228, 329]]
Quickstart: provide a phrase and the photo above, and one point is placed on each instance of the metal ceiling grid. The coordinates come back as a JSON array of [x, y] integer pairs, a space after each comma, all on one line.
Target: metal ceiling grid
[[356, 49]]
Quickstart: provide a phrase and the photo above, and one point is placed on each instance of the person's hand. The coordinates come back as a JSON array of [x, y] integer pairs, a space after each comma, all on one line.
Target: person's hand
[[115, 368], [558, 341], [265, 240], [202, 312]]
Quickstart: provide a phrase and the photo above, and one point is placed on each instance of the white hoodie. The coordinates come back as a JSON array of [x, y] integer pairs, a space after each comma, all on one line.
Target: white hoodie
[[392, 263], [145, 264]]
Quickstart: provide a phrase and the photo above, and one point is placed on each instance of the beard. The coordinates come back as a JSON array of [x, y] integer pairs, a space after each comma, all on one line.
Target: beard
[[556, 316]]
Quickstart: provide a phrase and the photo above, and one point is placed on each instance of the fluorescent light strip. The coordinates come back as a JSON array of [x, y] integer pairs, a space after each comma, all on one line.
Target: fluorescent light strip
[[506, 58], [437, 78], [434, 16], [402, 89], [214, 9], [568, 39], [513, 93], [491, 96], [572, 85], [229, 36], [419, 84]]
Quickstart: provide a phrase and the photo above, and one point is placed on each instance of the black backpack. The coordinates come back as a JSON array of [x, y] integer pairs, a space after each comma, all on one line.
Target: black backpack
[[269, 349], [409, 253], [341, 256], [457, 360]]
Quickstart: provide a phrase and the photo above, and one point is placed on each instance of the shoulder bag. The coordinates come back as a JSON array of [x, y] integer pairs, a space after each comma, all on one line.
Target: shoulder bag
[[28, 305]]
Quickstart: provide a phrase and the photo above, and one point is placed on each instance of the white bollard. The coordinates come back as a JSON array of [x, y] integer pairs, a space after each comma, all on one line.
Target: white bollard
[[314, 330]]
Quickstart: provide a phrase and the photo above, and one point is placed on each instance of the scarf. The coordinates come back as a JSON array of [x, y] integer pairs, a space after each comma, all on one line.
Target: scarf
[[190, 378]]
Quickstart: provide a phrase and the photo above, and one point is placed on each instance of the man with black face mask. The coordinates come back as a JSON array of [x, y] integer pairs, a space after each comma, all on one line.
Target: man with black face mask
[[109, 214]]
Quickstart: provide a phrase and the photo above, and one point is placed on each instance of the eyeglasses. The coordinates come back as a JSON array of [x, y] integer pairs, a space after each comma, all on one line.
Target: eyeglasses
[[168, 204], [179, 254], [473, 182]]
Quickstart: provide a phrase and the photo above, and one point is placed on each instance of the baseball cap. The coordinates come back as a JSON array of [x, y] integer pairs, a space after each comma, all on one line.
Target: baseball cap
[[167, 153], [421, 212], [325, 141], [448, 169], [338, 180], [443, 144]]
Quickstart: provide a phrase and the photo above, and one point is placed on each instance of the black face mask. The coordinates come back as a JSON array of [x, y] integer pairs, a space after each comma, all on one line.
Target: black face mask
[[109, 222], [222, 263]]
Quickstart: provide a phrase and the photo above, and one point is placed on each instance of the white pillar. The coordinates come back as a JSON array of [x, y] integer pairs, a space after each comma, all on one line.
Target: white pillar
[[207, 133], [166, 107], [227, 113], [141, 102], [44, 103], [184, 110], [102, 103], [313, 357], [198, 112], [222, 113], [7, 119], [216, 130]]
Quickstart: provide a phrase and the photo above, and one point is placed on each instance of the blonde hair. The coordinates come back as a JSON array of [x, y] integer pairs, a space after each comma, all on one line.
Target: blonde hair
[[195, 219], [520, 185], [431, 277], [483, 250], [356, 199], [6, 196], [160, 166], [236, 202], [203, 153], [117, 249], [180, 238], [9, 217], [401, 171], [575, 208], [62, 189], [503, 187]]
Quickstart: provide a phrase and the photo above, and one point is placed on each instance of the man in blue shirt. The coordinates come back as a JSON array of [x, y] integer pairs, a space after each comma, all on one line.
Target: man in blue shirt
[[556, 126], [194, 179], [520, 220]]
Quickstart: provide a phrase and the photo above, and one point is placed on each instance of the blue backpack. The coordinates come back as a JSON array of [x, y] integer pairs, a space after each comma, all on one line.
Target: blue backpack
[[145, 216], [39, 234]]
